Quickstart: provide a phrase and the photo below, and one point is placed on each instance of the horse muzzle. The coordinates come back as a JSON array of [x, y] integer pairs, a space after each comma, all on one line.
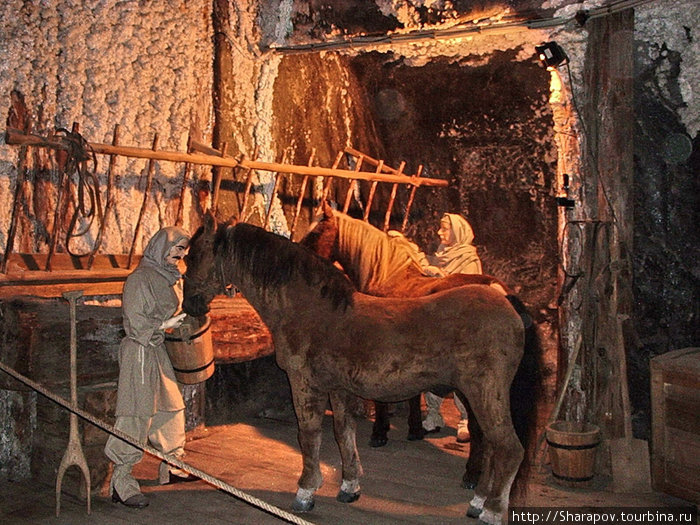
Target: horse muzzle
[[195, 305]]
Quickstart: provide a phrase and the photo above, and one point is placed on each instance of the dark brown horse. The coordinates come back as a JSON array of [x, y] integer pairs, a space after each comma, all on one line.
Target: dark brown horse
[[335, 342], [387, 267]]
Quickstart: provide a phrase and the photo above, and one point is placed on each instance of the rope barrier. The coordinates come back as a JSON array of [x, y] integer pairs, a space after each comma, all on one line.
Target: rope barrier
[[251, 500]]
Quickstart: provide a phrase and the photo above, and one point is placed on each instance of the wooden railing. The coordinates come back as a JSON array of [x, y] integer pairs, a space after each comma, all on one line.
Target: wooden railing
[[53, 273]]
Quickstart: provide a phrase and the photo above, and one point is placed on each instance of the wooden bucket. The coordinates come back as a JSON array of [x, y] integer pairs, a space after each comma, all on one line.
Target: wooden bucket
[[190, 350], [572, 448]]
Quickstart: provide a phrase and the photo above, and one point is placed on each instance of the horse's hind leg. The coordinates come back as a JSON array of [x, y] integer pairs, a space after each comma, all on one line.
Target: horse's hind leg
[[309, 406], [381, 425], [415, 420], [344, 427], [503, 452], [476, 447]]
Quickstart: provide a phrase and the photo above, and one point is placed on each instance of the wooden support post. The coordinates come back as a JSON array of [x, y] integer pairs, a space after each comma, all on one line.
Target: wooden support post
[[64, 180], [16, 205], [216, 183], [410, 199], [278, 176], [248, 184], [146, 192], [110, 199], [302, 191], [183, 188], [392, 197], [327, 185], [353, 182], [372, 189]]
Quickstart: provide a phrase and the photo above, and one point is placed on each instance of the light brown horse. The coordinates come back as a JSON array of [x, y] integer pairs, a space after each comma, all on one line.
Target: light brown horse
[[388, 267], [335, 342]]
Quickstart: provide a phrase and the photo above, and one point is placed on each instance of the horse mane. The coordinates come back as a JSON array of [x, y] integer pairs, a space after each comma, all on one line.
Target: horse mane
[[373, 257], [271, 260]]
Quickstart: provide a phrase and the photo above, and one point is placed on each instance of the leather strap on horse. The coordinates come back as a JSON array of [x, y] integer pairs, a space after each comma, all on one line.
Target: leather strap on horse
[[247, 498]]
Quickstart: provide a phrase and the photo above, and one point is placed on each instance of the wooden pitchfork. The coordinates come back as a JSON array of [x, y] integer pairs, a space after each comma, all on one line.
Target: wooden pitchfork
[[74, 452]]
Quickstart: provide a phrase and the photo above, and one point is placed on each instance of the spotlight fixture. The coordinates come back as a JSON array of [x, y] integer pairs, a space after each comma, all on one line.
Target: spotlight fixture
[[551, 55]]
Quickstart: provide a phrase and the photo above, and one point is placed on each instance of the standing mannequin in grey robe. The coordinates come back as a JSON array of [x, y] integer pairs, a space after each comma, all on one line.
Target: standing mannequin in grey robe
[[456, 254], [149, 402]]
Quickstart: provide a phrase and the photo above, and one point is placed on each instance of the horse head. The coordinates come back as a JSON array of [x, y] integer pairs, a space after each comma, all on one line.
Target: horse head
[[322, 238], [202, 282]]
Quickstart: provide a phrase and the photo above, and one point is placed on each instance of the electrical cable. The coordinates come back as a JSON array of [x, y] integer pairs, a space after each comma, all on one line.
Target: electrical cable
[[461, 30]]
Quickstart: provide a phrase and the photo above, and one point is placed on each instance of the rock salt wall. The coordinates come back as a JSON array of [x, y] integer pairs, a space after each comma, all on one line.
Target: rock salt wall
[[146, 66]]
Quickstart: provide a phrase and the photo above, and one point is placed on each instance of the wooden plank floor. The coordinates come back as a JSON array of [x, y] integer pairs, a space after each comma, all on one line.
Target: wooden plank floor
[[404, 482]]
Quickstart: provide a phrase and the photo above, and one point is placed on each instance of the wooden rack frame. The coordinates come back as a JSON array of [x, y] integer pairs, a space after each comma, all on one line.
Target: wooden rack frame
[[105, 274]]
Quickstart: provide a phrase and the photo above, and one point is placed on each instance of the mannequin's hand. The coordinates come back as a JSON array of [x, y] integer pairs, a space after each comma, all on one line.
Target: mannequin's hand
[[173, 322]]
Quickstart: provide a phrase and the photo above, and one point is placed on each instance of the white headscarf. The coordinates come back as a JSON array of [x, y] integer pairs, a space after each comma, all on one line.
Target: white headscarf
[[460, 256], [158, 249]]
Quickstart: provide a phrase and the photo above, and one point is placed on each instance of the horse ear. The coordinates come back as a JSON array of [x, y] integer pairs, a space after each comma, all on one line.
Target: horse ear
[[232, 221], [209, 222], [327, 210]]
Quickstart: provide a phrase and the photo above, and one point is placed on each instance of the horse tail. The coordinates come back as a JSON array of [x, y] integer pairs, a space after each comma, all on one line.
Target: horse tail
[[524, 395]]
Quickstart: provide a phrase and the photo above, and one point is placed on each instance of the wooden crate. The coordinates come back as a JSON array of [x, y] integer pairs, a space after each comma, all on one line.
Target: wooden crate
[[675, 398]]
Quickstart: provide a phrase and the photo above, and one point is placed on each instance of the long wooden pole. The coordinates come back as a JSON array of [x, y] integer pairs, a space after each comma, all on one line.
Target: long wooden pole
[[372, 189], [17, 201], [410, 201], [248, 184], [351, 186], [392, 198], [16, 137], [327, 183], [300, 200], [110, 199], [146, 191], [63, 185], [216, 183]]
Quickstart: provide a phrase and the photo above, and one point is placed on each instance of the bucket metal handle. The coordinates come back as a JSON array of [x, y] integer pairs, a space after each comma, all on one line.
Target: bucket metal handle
[[202, 329]]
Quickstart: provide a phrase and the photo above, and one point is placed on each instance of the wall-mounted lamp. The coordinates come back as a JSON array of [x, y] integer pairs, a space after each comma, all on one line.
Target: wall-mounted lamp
[[551, 55], [565, 201]]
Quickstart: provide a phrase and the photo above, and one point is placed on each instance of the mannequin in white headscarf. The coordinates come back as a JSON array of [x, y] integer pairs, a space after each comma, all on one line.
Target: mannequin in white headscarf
[[149, 402], [456, 254]]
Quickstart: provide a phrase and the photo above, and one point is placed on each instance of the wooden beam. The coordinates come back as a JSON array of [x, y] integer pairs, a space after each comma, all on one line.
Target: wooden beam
[[16, 137]]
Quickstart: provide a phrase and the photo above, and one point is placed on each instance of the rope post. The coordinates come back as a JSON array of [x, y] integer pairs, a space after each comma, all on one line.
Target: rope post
[[74, 452], [247, 498]]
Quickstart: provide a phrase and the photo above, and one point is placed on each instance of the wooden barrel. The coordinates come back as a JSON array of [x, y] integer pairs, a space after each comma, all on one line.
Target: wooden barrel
[[572, 448], [191, 351]]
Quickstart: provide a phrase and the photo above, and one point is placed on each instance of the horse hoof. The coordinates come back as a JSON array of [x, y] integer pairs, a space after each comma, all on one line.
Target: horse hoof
[[416, 436], [473, 512], [347, 497], [300, 505], [377, 441]]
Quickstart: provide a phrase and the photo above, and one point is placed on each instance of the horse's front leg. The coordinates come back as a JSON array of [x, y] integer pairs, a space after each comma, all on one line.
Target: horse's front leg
[[344, 427], [309, 405], [381, 425], [415, 419]]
